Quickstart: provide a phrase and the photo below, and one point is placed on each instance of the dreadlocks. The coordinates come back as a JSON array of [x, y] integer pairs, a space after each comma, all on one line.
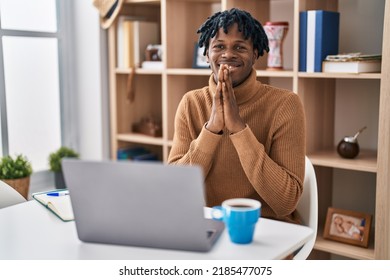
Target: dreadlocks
[[248, 25]]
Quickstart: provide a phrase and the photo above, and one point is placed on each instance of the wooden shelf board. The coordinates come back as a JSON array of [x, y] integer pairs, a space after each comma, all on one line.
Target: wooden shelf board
[[340, 75], [189, 71], [199, 1], [345, 250], [156, 2], [198, 72], [272, 73], [207, 72], [140, 71], [139, 138], [366, 160]]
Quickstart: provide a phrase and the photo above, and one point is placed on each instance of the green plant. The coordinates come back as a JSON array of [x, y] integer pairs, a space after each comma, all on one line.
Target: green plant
[[15, 168], [56, 157]]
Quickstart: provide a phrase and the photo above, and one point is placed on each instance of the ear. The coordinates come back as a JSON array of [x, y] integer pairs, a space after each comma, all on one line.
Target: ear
[[255, 55], [207, 56]]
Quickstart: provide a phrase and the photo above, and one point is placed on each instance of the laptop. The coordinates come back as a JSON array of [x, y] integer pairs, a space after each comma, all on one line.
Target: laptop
[[146, 204]]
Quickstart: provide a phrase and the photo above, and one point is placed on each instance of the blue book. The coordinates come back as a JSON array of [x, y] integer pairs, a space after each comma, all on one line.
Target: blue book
[[322, 37], [302, 41], [149, 157], [130, 153]]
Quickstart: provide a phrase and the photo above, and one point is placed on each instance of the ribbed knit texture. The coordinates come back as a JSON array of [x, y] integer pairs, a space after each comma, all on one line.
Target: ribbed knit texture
[[265, 161]]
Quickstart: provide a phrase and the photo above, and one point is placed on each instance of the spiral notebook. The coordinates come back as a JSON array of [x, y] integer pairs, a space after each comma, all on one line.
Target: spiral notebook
[[58, 202]]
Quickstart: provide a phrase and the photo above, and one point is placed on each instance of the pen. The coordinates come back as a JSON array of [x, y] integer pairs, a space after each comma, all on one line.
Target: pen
[[57, 193]]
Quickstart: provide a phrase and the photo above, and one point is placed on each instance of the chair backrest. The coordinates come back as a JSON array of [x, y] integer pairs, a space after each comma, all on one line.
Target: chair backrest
[[308, 208], [9, 196]]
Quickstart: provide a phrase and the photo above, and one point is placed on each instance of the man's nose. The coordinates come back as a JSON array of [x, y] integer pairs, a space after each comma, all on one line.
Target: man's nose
[[229, 52]]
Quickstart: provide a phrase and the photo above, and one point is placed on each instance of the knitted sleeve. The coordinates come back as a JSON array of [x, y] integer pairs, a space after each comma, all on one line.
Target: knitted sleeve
[[277, 176], [191, 146]]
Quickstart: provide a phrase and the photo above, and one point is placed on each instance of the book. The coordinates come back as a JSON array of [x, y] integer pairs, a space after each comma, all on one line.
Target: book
[[59, 205], [133, 36], [363, 66], [319, 38], [302, 41], [128, 45], [353, 57], [156, 65], [129, 153], [146, 157], [136, 154], [122, 40]]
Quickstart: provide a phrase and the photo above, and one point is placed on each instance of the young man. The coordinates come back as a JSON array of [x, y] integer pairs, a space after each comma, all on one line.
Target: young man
[[248, 137]]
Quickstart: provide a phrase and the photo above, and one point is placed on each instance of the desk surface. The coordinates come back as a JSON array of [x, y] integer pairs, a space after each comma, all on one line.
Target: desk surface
[[29, 231]]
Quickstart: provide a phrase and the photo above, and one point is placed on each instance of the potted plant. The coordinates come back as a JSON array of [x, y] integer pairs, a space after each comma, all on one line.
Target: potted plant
[[16, 172], [55, 164]]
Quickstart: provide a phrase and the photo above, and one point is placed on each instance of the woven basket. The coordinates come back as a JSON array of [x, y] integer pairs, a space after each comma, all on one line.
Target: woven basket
[[21, 185]]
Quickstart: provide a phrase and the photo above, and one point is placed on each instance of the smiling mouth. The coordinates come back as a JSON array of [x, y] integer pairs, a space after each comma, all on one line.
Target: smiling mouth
[[231, 66]]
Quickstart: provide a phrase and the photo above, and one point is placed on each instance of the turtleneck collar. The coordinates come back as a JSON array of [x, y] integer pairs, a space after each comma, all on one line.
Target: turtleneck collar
[[244, 91]]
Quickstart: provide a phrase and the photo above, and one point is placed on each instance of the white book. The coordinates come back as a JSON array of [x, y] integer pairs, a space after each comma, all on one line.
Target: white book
[[311, 40], [158, 65], [119, 43], [366, 66], [121, 40]]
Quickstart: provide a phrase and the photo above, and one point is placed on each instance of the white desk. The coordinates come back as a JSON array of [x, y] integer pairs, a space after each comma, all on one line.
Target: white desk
[[29, 231]]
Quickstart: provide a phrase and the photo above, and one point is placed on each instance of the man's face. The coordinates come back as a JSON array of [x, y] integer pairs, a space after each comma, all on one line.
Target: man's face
[[232, 49]]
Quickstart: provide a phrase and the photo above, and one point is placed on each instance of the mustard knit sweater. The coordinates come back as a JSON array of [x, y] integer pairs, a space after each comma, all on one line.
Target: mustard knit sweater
[[264, 161]]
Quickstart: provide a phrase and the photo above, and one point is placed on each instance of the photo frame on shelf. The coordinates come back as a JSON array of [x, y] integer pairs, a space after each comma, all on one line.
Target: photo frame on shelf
[[200, 60], [348, 226]]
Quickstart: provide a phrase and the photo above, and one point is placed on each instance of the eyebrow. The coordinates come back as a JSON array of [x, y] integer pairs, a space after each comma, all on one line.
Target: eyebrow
[[236, 41]]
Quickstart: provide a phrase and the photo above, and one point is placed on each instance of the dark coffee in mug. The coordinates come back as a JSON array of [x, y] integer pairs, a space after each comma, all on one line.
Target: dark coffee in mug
[[240, 206]]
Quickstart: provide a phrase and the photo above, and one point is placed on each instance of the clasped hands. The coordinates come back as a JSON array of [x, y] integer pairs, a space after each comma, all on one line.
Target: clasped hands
[[224, 111]]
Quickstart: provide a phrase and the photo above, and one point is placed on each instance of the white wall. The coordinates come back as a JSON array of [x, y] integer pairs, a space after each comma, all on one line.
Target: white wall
[[87, 91], [90, 81]]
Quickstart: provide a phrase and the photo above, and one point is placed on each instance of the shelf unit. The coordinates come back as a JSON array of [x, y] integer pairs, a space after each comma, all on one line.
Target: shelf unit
[[158, 93]]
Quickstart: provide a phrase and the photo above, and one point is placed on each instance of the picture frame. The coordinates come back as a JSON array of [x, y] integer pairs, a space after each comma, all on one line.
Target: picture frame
[[348, 226], [200, 60]]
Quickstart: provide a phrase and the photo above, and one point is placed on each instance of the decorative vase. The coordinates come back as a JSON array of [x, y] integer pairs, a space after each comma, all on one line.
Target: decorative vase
[[276, 33], [21, 185]]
